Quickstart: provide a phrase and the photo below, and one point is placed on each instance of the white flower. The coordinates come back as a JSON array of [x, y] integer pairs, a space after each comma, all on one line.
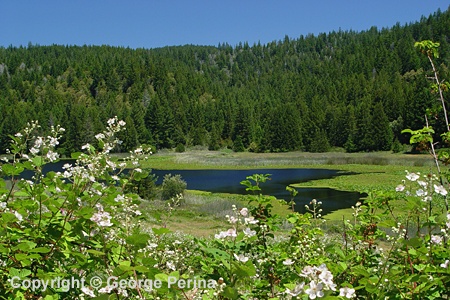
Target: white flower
[[170, 265], [137, 213], [244, 212], [232, 220], [88, 291], [248, 232], [119, 198], [220, 235], [436, 239], [18, 134], [34, 151], [152, 245], [106, 290], [241, 258], [440, 190], [288, 262], [421, 193], [18, 216], [326, 276], [111, 164], [308, 270], [39, 142], [314, 290], [111, 121], [53, 141], [445, 264], [52, 156], [412, 176], [347, 292], [138, 170], [296, 291], [250, 220], [2, 205], [231, 232], [422, 183], [223, 234], [100, 136], [102, 218]]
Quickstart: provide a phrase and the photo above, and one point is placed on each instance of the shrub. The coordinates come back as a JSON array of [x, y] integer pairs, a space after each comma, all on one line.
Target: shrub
[[145, 187], [180, 148], [172, 186]]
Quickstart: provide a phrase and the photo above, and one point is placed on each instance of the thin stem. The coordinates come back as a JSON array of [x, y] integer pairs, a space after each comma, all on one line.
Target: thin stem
[[436, 78]]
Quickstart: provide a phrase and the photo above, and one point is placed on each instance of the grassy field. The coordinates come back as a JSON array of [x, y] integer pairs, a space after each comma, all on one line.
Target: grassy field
[[226, 159], [204, 213]]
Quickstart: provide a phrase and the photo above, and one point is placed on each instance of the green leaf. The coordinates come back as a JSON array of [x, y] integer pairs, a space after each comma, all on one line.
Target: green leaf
[[139, 240], [247, 270], [25, 246], [95, 252], [160, 231], [11, 170], [76, 155], [162, 277], [22, 273], [38, 161], [40, 250], [230, 293]]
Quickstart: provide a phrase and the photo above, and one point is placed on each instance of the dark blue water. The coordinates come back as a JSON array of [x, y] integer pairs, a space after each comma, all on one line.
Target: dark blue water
[[228, 181]]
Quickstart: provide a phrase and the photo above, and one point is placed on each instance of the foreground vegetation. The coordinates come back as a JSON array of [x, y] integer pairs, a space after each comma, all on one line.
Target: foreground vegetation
[[82, 226]]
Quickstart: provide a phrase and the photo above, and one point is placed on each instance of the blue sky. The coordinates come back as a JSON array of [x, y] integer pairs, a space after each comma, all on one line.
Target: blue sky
[[159, 23]]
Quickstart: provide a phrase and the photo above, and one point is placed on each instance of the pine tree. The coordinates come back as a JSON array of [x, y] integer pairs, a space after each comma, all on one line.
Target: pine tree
[[381, 131]]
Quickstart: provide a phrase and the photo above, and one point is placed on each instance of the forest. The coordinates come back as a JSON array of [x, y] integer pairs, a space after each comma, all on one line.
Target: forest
[[347, 89]]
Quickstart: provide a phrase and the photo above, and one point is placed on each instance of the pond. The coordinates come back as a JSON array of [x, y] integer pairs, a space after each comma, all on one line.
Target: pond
[[228, 181]]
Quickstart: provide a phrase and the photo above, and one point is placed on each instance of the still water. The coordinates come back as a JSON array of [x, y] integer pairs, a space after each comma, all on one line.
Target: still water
[[228, 181]]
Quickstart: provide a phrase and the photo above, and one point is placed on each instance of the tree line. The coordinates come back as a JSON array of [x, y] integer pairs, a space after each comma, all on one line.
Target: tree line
[[355, 90]]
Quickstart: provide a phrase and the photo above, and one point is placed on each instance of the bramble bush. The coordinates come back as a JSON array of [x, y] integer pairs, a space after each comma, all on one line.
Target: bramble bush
[[83, 225]]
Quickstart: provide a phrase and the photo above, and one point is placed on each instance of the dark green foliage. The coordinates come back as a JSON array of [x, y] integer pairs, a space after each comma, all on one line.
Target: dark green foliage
[[172, 186], [180, 148], [339, 89], [397, 147], [145, 187], [382, 132], [320, 142], [238, 145]]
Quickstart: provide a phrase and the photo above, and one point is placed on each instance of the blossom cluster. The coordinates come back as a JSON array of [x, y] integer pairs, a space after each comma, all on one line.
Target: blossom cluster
[[425, 188], [320, 280], [241, 217]]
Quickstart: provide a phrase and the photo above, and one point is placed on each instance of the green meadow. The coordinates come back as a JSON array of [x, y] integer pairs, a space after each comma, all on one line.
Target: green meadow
[[203, 213]]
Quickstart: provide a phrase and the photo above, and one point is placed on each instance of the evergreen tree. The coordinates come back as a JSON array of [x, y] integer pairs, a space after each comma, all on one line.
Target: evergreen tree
[[381, 131]]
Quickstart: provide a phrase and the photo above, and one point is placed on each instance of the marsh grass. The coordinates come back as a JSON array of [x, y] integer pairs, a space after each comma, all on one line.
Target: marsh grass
[[204, 159], [201, 213]]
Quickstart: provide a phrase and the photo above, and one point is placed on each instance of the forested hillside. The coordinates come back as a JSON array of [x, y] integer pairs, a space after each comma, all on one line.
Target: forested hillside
[[348, 89]]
